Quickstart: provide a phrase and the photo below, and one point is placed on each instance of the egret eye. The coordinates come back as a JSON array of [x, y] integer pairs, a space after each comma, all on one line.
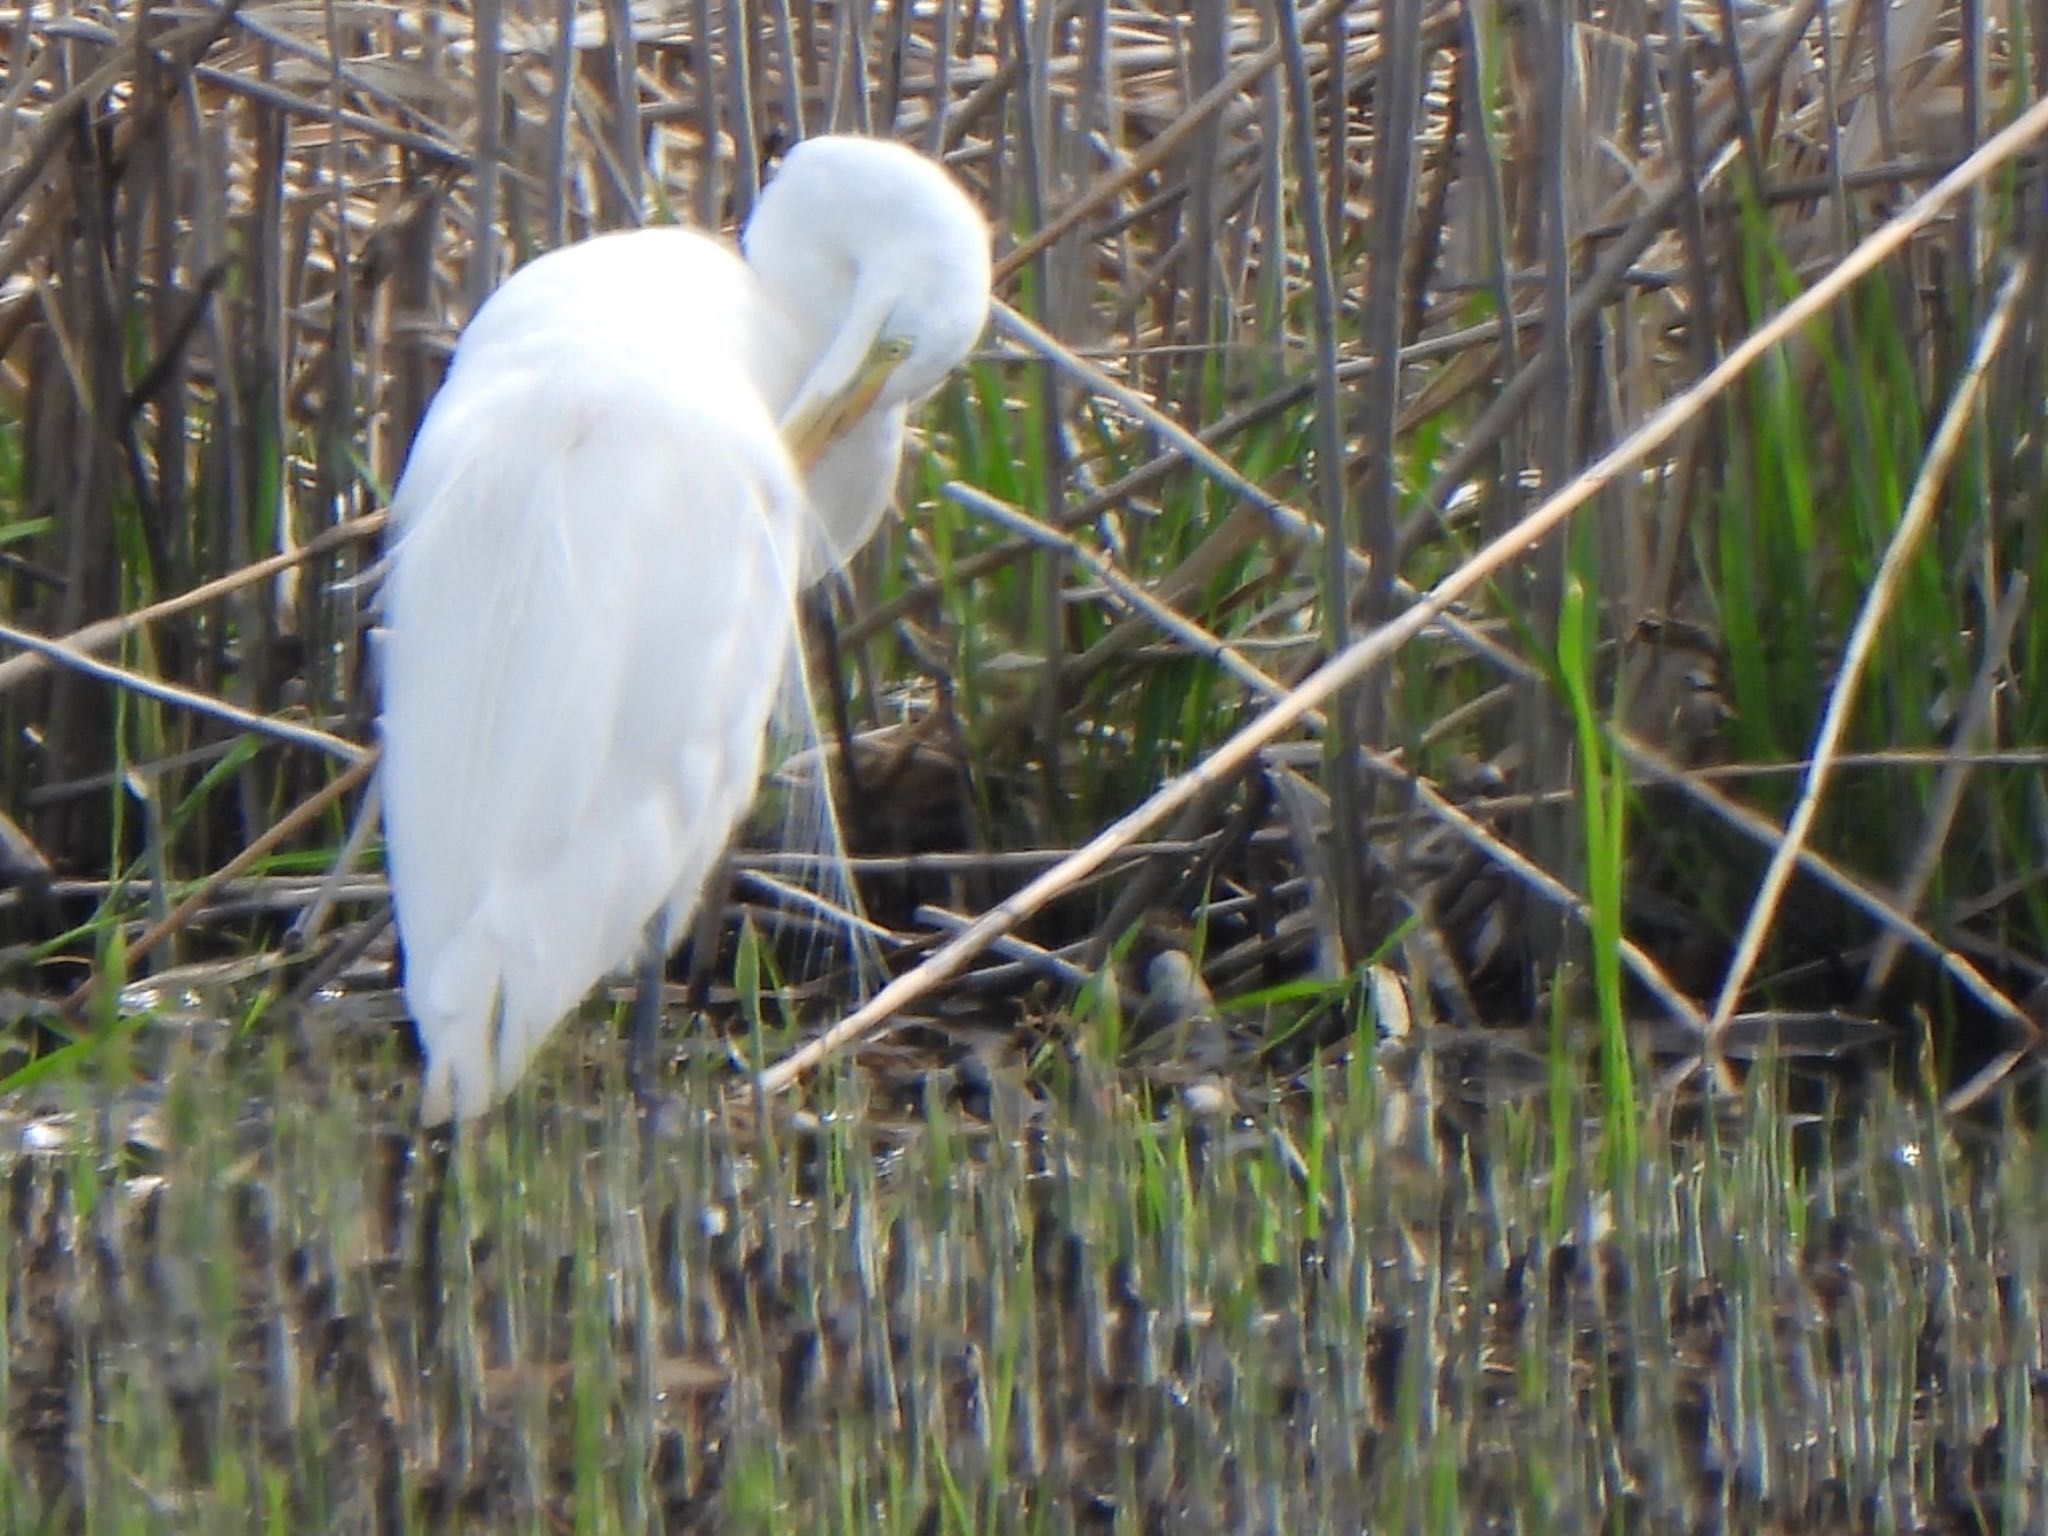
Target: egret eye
[[893, 349]]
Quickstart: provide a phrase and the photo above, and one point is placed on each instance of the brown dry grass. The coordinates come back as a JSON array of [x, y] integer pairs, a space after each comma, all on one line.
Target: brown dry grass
[[235, 245]]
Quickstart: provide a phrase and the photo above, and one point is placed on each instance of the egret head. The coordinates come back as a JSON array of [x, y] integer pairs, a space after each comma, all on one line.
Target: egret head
[[882, 262]]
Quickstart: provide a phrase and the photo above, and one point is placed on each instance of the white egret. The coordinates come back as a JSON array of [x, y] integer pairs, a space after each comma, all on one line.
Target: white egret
[[644, 447]]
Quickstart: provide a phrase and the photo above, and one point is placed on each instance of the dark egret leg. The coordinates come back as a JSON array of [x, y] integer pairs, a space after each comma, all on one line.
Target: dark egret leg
[[641, 1045], [824, 632], [705, 926]]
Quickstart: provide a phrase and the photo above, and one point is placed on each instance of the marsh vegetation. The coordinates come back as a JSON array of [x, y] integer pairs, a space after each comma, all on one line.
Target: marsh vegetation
[[1607, 1095]]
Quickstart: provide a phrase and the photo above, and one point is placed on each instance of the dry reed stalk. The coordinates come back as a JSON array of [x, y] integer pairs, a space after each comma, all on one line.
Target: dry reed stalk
[[238, 245]]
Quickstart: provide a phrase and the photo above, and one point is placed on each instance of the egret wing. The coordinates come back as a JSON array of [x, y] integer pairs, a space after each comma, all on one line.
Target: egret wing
[[588, 611]]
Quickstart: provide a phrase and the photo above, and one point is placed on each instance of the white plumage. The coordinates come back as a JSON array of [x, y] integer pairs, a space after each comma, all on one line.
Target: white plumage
[[643, 447]]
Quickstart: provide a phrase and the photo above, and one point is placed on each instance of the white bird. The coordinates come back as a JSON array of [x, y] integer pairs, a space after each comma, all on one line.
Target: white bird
[[644, 447]]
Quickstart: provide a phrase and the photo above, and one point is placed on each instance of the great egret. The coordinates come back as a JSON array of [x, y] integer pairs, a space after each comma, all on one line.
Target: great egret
[[645, 446]]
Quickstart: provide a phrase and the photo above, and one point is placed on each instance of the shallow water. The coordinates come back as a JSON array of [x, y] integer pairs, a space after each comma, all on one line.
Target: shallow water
[[972, 1294]]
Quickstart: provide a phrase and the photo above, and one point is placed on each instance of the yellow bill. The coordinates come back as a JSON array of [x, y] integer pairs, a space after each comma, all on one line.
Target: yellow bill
[[811, 430]]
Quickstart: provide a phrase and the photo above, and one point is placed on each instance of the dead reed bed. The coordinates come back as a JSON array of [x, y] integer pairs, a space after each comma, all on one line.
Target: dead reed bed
[[1302, 308]]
